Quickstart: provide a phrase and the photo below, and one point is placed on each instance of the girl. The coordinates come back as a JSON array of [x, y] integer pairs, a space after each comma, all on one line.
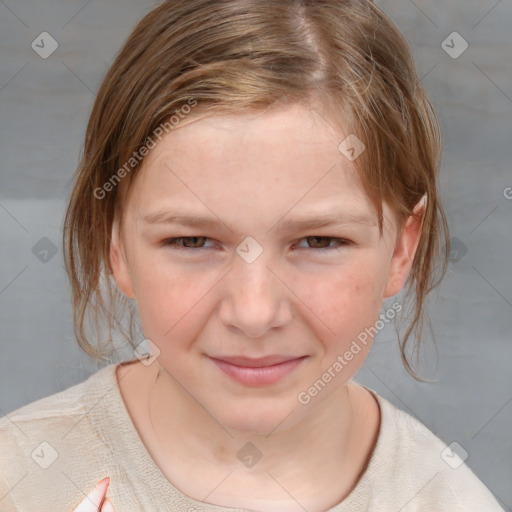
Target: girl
[[257, 178]]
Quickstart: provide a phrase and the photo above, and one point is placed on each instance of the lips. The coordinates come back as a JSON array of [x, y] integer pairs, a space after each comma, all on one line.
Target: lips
[[247, 362], [255, 372]]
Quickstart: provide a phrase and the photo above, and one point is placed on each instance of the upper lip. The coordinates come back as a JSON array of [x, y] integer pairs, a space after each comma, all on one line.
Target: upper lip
[[250, 362]]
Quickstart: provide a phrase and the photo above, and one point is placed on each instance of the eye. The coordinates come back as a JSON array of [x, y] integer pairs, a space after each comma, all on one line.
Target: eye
[[315, 242], [320, 242], [195, 242]]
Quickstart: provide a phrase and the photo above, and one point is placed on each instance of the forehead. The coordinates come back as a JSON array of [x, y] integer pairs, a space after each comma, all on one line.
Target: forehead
[[256, 163], [296, 142], [297, 119]]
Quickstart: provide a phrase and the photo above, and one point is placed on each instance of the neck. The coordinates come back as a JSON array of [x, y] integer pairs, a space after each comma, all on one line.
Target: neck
[[300, 457]]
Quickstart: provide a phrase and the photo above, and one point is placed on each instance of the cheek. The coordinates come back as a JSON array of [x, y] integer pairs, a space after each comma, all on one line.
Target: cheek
[[169, 301], [346, 302], [346, 297]]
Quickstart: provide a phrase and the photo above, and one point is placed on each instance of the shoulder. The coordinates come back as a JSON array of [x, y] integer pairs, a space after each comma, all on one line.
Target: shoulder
[[59, 407], [40, 440], [421, 470]]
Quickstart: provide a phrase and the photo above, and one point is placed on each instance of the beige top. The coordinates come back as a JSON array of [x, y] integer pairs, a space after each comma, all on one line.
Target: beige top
[[55, 450]]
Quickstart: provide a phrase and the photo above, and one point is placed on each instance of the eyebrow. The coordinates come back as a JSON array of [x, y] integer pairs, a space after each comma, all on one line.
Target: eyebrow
[[331, 218], [328, 219]]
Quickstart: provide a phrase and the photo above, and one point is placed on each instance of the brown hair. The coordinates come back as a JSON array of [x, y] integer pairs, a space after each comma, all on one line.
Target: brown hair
[[230, 56]]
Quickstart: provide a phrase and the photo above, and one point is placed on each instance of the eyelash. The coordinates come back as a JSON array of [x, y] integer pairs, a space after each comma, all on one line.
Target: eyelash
[[343, 243]]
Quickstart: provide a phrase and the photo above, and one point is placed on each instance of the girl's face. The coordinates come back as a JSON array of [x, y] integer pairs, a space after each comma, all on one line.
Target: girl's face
[[225, 248]]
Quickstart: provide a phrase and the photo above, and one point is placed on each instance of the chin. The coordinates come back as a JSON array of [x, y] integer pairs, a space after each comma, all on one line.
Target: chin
[[252, 426], [256, 419]]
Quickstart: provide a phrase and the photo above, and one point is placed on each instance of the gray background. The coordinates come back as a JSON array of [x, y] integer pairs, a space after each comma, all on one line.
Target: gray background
[[44, 106]]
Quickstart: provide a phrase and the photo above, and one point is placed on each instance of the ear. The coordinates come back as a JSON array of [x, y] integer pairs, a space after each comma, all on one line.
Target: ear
[[405, 249], [118, 262]]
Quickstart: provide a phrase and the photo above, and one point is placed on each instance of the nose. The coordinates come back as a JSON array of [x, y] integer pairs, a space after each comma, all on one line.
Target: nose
[[255, 299]]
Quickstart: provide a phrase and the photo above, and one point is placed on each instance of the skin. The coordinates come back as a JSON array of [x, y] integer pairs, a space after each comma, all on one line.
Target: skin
[[96, 500], [252, 173]]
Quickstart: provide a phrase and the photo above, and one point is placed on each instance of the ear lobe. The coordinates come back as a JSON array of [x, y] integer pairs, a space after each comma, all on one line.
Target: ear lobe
[[405, 249], [118, 263]]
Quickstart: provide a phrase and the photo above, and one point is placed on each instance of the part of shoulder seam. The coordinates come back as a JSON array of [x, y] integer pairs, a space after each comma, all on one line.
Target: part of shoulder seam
[[72, 405]]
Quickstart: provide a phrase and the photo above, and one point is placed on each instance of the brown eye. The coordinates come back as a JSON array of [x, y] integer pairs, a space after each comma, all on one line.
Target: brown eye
[[319, 242], [324, 242], [187, 242]]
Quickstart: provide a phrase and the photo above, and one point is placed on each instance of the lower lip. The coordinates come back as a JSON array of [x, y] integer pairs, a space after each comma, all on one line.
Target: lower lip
[[262, 376]]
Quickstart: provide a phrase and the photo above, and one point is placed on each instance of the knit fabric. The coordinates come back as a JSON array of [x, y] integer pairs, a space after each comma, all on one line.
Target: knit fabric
[[55, 450]]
